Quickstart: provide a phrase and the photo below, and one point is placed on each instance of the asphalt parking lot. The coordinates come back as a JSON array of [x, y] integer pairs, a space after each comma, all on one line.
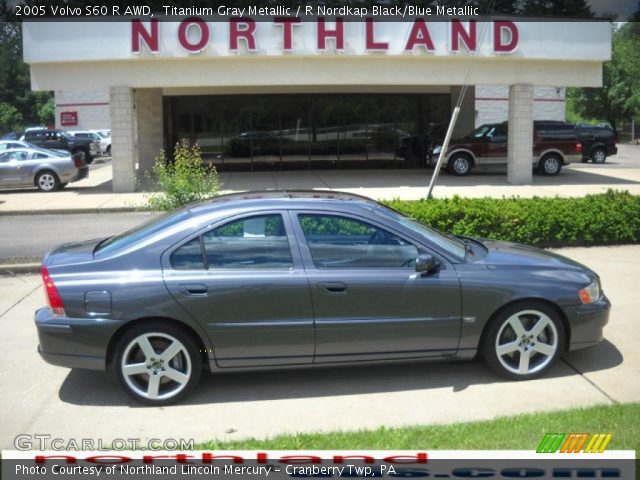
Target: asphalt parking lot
[[41, 399]]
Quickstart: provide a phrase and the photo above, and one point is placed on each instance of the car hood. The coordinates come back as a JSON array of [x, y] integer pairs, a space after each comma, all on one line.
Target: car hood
[[73, 252], [515, 254]]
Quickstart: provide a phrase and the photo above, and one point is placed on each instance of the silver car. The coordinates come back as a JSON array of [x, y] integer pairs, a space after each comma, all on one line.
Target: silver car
[[46, 169]]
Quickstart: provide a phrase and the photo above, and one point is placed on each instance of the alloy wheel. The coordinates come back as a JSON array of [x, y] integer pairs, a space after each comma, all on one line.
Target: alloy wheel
[[46, 182], [527, 342], [156, 366], [551, 165]]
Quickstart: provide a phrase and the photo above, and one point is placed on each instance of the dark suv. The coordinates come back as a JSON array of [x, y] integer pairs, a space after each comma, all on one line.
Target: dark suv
[[598, 143], [554, 144], [61, 140]]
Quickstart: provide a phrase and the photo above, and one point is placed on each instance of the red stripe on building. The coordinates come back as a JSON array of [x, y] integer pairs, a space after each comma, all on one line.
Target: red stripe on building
[[83, 104]]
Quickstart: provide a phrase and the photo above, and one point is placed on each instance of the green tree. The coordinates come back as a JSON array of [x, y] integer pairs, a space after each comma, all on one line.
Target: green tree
[[10, 118], [619, 98], [15, 81]]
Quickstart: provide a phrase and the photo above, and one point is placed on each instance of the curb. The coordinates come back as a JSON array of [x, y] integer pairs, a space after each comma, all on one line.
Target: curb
[[63, 211], [19, 268]]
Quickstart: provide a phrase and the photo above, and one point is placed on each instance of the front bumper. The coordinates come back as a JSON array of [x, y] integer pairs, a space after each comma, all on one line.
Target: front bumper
[[74, 342], [587, 323]]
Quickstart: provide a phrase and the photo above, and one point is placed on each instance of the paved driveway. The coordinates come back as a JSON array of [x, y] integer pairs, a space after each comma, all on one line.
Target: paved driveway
[[39, 398]]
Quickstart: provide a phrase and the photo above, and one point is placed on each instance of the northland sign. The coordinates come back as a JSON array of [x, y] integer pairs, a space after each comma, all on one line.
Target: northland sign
[[195, 37], [291, 35]]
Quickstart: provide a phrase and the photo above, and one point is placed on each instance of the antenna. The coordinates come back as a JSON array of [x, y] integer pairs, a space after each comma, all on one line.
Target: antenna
[[456, 110]]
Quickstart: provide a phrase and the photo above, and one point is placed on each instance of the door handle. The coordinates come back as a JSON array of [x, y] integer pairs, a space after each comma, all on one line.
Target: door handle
[[194, 289], [334, 287]]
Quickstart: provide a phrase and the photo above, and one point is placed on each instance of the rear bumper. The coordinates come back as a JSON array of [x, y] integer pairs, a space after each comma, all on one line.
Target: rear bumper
[[587, 323], [74, 342], [83, 172]]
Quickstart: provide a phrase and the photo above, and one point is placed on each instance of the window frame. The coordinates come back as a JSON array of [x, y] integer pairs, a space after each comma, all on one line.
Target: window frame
[[306, 251], [296, 260]]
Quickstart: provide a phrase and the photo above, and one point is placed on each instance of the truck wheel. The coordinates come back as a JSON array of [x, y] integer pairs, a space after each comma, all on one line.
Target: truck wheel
[[459, 164], [550, 165], [599, 156]]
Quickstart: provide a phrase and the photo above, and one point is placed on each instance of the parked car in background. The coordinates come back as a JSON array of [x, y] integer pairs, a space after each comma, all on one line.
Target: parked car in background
[[554, 144], [60, 139], [598, 142], [45, 169], [11, 144], [104, 143], [261, 280], [12, 136]]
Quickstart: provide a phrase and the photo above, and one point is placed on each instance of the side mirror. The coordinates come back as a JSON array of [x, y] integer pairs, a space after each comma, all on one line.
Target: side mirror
[[426, 264]]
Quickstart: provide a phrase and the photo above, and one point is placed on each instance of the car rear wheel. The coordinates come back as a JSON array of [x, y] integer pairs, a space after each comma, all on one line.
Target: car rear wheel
[[460, 164], [524, 341], [157, 364], [599, 156], [47, 181], [550, 165]]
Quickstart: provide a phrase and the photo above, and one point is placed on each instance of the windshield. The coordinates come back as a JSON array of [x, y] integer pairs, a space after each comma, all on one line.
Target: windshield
[[480, 132], [155, 225], [446, 242]]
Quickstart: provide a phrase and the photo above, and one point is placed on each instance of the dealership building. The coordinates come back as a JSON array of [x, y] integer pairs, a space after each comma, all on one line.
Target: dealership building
[[270, 94]]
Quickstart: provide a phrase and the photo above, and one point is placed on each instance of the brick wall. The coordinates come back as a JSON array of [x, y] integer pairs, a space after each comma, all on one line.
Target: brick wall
[[492, 103], [92, 107]]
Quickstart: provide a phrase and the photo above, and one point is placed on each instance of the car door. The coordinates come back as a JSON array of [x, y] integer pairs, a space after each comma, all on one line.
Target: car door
[[368, 301], [496, 145], [11, 167], [246, 285]]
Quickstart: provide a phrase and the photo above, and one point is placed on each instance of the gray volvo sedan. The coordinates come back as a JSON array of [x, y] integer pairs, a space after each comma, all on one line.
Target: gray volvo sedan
[[294, 279]]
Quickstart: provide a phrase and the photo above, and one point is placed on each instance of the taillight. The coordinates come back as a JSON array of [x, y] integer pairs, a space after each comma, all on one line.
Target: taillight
[[53, 296], [579, 147]]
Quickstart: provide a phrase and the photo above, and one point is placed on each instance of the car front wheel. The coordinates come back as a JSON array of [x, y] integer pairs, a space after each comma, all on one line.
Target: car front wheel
[[157, 365], [460, 164], [524, 341]]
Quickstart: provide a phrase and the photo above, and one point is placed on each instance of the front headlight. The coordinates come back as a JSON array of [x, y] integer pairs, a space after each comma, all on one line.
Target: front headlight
[[590, 293], [437, 149]]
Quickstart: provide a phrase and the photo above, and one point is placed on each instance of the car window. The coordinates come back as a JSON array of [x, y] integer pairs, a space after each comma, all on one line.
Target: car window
[[498, 134], [252, 242], [341, 242], [41, 155], [13, 155], [188, 256], [153, 226]]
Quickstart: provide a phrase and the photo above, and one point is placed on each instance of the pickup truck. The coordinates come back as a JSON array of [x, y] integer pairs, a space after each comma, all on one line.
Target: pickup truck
[[61, 140]]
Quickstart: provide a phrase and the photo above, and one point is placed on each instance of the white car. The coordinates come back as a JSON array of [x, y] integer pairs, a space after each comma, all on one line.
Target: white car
[[94, 135]]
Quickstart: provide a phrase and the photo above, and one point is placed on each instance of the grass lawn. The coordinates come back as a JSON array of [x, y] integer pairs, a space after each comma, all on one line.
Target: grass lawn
[[522, 432]]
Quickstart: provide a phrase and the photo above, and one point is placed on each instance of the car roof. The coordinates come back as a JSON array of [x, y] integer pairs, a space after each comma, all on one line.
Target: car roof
[[278, 198]]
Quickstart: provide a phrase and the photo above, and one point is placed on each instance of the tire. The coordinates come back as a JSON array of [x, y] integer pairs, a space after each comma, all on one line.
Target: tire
[[599, 156], [460, 164], [550, 165], [511, 347], [47, 181], [176, 372], [108, 150]]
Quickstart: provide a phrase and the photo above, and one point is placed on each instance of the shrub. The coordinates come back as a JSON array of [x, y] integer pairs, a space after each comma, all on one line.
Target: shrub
[[603, 219], [182, 181]]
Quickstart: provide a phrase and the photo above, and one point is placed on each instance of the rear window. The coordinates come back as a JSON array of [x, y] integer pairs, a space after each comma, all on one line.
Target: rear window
[[151, 227]]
